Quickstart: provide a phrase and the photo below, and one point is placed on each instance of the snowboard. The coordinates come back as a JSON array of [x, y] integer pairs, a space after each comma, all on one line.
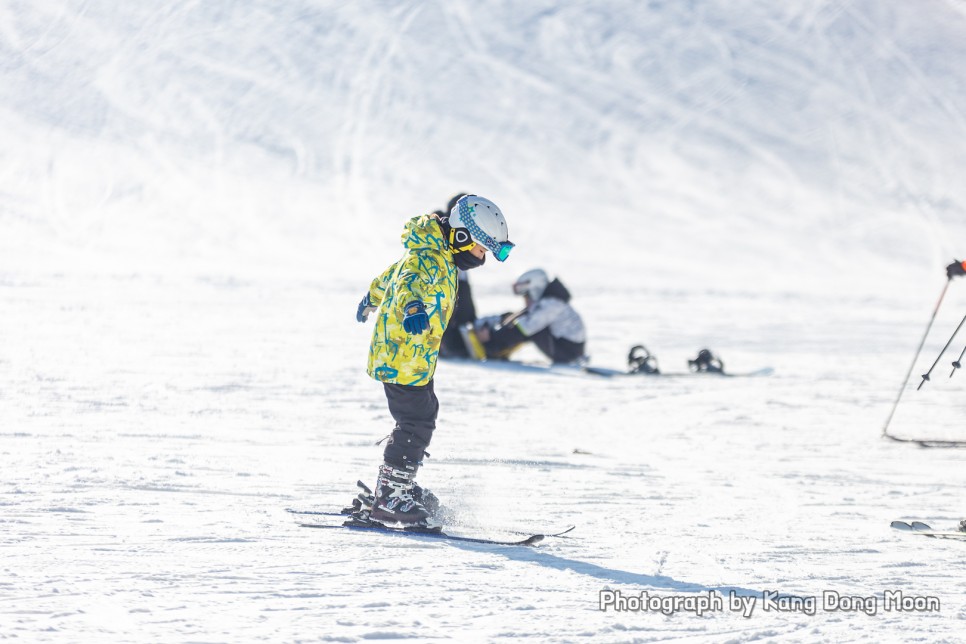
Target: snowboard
[[474, 347], [640, 364]]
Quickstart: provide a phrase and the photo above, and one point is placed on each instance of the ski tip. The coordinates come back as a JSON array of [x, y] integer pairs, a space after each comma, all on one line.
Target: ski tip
[[915, 526], [537, 538]]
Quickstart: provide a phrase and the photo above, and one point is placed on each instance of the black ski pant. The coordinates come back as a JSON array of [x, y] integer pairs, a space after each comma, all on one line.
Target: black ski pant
[[508, 339], [414, 408], [558, 350]]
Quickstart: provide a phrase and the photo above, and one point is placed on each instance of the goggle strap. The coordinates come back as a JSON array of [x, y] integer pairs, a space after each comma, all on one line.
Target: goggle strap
[[460, 244]]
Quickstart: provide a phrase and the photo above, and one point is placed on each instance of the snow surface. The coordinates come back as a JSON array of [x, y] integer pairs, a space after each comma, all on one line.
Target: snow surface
[[194, 196]]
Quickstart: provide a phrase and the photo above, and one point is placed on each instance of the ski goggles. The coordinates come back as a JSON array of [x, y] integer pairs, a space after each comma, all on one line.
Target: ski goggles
[[460, 240], [502, 250]]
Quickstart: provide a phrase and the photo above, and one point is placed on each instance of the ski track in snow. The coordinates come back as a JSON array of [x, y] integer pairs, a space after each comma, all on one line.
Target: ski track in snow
[[194, 196]]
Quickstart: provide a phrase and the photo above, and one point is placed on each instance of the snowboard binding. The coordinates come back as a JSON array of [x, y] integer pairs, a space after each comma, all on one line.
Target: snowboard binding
[[640, 360], [706, 362]]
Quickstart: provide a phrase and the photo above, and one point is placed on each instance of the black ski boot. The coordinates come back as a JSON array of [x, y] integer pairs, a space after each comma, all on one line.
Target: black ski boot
[[366, 498], [393, 501]]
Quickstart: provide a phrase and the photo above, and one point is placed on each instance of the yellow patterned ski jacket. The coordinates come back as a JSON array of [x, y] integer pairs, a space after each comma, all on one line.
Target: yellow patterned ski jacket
[[426, 273]]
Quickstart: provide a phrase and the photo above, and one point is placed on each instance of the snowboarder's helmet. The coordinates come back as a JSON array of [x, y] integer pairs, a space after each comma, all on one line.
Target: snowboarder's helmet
[[485, 223], [532, 284]]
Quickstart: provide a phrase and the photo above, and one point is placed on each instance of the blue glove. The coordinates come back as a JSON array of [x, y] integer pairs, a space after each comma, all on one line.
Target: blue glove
[[365, 308], [416, 321]]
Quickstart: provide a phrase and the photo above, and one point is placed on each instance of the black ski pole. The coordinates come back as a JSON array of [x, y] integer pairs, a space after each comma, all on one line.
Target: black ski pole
[[925, 376], [958, 363], [895, 405]]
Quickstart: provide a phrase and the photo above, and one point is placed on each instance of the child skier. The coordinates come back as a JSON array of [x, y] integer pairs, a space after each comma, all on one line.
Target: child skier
[[548, 321], [415, 299]]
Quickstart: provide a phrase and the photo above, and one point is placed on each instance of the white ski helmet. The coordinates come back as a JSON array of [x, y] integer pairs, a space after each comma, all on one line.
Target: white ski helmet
[[532, 284], [485, 223]]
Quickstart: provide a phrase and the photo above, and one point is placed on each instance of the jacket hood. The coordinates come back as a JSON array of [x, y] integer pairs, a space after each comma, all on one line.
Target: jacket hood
[[558, 290], [424, 233]]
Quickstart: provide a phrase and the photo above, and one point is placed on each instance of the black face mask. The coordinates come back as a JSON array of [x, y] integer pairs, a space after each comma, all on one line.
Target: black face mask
[[467, 260]]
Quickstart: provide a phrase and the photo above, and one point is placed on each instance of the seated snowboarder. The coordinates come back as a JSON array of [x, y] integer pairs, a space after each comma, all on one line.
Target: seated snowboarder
[[548, 321]]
